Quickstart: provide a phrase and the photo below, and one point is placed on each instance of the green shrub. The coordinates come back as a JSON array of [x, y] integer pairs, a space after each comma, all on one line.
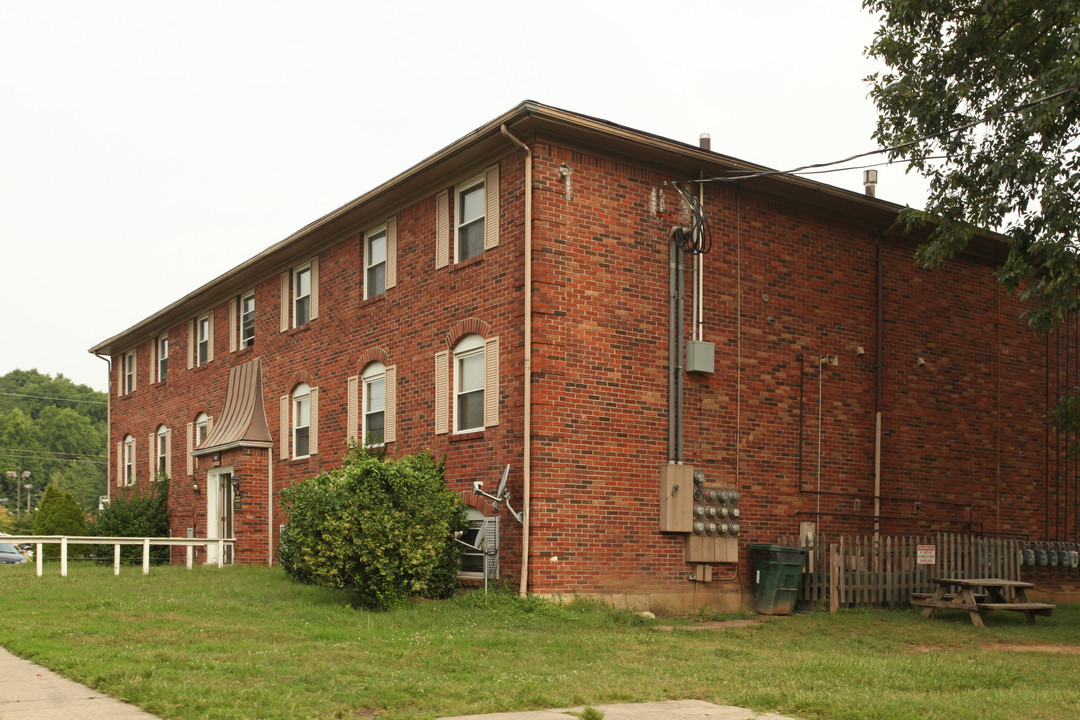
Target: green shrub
[[378, 526], [59, 514], [136, 511]]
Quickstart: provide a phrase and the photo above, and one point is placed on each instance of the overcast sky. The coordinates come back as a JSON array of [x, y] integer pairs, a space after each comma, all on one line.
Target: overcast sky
[[146, 147]]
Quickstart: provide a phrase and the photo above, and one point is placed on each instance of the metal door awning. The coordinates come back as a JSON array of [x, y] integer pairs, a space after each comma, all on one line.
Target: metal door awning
[[243, 419]]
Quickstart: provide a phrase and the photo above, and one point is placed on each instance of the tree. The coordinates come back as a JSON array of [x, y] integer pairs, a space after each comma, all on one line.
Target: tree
[[58, 514], [381, 527], [982, 97], [55, 430]]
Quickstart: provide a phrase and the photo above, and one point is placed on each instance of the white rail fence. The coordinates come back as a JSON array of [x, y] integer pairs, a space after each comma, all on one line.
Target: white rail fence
[[146, 542]]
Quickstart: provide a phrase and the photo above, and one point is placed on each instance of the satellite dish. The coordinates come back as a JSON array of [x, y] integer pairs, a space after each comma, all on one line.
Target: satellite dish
[[502, 483]]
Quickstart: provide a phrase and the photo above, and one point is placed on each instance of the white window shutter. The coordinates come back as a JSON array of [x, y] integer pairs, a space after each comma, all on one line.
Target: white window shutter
[[391, 253], [210, 338], [233, 309], [119, 464], [286, 428], [352, 389], [134, 462], [286, 301], [134, 369], [190, 448], [442, 393], [313, 422], [442, 229], [153, 361], [191, 344], [491, 211], [209, 425], [151, 453], [314, 287], [168, 452], [491, 382], [390, 409]]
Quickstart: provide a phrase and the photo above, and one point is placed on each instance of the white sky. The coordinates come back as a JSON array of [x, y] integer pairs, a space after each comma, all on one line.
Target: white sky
[[147, 146]]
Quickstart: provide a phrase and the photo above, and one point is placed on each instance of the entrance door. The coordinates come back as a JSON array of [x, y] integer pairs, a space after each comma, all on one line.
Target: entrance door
[[219, 513]]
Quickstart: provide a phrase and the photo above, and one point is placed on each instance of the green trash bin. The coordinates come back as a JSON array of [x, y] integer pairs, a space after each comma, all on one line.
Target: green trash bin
[[778, 575]]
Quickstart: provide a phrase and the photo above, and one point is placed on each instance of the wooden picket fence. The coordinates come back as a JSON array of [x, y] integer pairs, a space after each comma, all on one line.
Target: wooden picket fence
[[884, 572]]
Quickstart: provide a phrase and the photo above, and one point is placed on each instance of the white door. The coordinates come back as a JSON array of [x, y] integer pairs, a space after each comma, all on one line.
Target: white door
[[219, 513]]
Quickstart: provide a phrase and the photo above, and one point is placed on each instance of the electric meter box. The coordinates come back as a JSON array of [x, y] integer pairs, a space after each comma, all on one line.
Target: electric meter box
[[676, 498], [700, 356]]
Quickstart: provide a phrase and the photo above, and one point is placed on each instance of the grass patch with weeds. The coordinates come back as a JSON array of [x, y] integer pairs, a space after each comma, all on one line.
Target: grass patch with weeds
[[246, 642]]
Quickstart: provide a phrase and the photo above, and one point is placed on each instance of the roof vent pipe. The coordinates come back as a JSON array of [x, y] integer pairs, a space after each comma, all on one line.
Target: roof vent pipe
[[869, 179], [705, 141]]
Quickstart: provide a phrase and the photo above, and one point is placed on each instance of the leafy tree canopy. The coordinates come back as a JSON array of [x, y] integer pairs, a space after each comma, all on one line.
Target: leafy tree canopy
[[56, 431], [983, 98]]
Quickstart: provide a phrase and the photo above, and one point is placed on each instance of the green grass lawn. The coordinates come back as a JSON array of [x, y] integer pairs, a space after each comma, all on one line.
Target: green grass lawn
[[249, 643]]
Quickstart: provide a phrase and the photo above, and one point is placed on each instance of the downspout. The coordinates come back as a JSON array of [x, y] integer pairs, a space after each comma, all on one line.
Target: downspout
[[270, 507], [108, 425], [526, 454]]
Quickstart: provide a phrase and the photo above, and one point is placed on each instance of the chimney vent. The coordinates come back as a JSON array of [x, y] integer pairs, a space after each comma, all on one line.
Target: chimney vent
[[705, 141], [869, 179]]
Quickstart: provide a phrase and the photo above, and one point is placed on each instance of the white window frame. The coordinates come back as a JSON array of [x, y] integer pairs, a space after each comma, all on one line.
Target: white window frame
[[245, 341], [129, 460], [202, 341], [297, 297], [162, 365], [469, 348], [373, 373], [460, 191], [301, 407], [370, 265], [202, 428], [162, 447], [129, 372]]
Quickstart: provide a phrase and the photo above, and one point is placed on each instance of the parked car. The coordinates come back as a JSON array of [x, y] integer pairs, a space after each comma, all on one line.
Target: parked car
[[12, 555]]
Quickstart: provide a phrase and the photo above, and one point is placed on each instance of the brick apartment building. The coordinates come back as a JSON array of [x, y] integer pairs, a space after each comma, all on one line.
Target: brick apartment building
[[517, 299]]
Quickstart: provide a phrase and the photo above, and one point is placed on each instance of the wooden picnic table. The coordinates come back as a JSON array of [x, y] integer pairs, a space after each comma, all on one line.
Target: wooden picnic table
[[996, 597]]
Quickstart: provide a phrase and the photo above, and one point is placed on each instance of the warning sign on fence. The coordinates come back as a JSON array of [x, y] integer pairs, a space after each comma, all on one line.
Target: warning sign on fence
[[926, 554]]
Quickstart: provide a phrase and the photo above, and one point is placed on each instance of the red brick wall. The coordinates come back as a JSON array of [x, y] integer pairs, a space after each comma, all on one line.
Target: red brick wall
[[780, 281]]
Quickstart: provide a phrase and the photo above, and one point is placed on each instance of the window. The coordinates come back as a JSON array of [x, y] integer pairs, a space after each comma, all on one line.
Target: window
[[469, 384], [129, 373], [203, 348], [162, 358], [202, 428], [162, 446], [247, 320], [301, 420], [469, 218], [129, 460], [302, 296], [374, 428], [375, 263]]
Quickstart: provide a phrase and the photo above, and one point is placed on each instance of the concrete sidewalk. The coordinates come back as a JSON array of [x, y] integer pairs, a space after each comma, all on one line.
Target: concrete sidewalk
[[669, 710], [30, 692]]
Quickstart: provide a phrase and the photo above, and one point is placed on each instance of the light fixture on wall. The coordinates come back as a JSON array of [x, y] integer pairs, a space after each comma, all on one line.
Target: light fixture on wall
[[195, 486], [238, 496]]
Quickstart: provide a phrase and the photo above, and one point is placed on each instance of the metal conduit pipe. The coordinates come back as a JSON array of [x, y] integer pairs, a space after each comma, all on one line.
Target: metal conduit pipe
[[526, 454], [672, 361], [681, 290]]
